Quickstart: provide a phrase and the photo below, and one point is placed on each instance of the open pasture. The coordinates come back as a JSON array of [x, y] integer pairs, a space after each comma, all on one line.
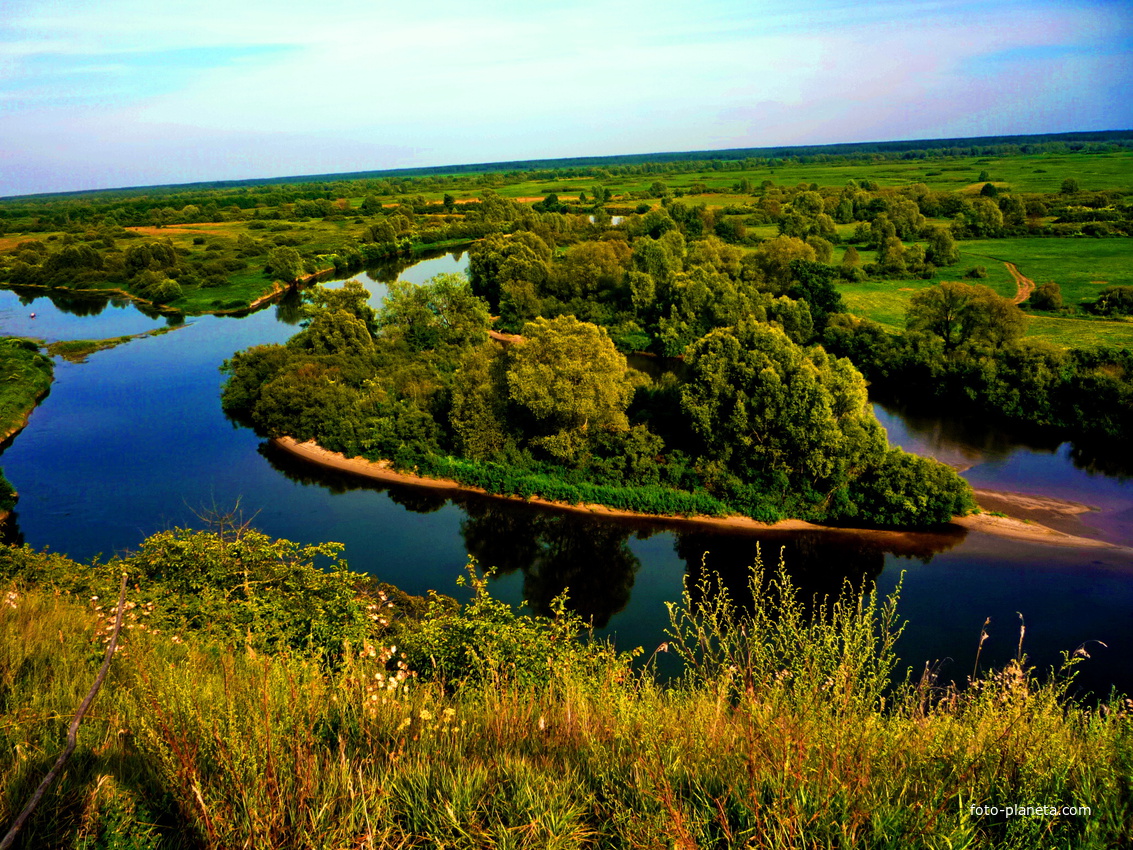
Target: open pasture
[[886, 301], [1081, 267], [1023, 173]]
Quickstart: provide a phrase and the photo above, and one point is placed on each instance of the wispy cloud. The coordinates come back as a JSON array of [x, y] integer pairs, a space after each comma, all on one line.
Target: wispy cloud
[[257, 88]]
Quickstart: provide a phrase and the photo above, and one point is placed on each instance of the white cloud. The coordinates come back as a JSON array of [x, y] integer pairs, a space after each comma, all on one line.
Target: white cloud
[[356, 84]]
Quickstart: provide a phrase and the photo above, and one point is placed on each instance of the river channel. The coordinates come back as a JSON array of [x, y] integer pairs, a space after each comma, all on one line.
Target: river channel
[[134, 441]]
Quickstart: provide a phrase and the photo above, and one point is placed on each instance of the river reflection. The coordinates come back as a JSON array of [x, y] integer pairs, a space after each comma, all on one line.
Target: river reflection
[[588, 560], [820, 564], [557, 551], [964, 442]]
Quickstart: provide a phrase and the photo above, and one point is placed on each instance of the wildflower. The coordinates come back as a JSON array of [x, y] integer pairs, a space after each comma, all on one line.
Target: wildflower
[[425, 714]]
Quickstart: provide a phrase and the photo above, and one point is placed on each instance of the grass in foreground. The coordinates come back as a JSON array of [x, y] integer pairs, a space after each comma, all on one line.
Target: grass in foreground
[[478, 727]]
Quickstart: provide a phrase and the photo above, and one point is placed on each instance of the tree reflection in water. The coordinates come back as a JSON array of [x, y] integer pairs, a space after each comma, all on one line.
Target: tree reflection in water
[[820, 564], [419, 500], [10, 534], [289, 308], [591, 559], [587, 558]]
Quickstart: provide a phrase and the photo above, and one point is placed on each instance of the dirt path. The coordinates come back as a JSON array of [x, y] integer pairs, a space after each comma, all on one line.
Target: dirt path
[[1024, 285]]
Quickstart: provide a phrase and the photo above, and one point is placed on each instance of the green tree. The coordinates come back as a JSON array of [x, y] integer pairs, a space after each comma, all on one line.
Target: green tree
[[1113, 301], [352, 297], [808, 203], [891, 258], [942, 249], [983, 218], [284, 263], [765, 407], [850, 260], [478, 415], [498, 260], [569, 380], [440, 313], [961, 313], [905, 490], [590, 270], [772, 261], [333, 332], [814, 283], [1048, 296]]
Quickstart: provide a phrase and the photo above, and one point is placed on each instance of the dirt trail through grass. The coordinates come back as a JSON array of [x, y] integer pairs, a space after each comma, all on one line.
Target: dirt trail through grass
[[1025, 285]]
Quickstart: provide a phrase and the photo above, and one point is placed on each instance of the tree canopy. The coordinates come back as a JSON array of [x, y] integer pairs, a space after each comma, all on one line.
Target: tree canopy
[[765, 406], [570, 380], [961, 313]]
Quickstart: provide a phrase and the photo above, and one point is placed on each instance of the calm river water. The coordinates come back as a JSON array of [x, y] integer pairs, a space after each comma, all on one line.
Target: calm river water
[[134, 441]]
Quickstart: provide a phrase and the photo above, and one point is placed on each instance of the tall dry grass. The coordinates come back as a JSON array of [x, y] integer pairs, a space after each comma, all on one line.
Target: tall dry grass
[[786, 730]]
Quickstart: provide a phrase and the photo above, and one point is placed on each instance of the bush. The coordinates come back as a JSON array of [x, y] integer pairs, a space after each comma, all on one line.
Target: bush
[[1113, 301], [1047, 297], [907, 490], [486, 641], [236, 585]]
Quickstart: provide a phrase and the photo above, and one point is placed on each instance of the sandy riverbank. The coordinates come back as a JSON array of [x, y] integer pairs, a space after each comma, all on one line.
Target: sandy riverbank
[[1021, 527]]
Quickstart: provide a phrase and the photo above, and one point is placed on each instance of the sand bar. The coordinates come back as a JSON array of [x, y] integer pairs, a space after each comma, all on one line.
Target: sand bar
[[1018, 528]]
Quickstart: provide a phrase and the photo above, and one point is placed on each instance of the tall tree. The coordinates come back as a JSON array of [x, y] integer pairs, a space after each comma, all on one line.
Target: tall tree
[[961, 313], [569, 380], [766, 407]]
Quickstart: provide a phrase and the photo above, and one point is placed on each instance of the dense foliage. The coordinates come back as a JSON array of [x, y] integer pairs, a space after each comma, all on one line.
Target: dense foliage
[[1082, 394], [789, 725], [208, 248], [751, 420], [699, 246]]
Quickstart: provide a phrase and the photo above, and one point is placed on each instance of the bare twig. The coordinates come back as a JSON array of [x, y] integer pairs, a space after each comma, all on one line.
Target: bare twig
[[73, 732]]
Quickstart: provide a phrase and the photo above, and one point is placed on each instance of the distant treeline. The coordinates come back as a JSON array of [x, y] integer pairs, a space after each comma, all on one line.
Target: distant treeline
[[664, 162]]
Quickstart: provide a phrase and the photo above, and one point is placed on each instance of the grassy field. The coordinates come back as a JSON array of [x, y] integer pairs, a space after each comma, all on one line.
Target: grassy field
[[25, 376], [1080, 333], [1032, 173], [1081, 267], [886, 301], [1076, 264], [78, 350], [883, 301], [481, 728]]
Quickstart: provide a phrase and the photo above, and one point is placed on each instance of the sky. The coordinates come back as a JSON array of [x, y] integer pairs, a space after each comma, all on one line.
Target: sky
[[110, 93]]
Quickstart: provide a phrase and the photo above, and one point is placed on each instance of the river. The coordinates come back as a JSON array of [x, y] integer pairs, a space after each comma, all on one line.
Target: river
[[134, 441]]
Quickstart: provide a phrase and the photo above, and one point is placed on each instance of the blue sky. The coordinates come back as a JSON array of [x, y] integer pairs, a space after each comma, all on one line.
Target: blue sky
[[101, 93]]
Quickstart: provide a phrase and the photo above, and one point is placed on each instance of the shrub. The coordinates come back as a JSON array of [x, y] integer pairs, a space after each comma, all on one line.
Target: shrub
[[1047, 297], [908, 490]]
